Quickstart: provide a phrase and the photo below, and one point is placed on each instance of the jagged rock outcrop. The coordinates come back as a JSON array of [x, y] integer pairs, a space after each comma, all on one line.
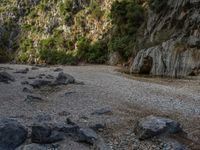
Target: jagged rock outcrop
[[174, 29]]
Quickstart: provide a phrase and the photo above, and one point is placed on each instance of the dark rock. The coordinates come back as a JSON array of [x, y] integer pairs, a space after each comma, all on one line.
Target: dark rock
[[31, 77], [23, 71], [70, 122], [64, 113], [69, 93], [12, 134], [41, 65], [34, 146], [6, 77], [102, 111], [151, 126], [101, 145], [6, 68], [58, 70], [26, 90], [79, 83], [50, 77], [24, 82], [34, 68], [97, 127], [31, 99], [87, 135], [43, 117], [173, 145], [71, 129], [40, 83], [44, 134], [63, 79]]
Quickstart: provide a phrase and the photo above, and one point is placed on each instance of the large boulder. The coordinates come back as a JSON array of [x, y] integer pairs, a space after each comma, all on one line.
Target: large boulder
[[12, 134], [151, 126]]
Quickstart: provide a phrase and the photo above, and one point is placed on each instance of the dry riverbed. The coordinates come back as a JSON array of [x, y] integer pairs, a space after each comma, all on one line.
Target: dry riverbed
[[123, 98]]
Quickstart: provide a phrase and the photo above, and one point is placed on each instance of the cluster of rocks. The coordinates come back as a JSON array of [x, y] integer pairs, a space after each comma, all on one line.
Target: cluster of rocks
[[45, 135], [14, 135]]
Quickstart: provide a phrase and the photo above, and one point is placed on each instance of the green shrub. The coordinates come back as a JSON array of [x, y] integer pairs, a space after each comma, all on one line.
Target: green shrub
[[66, 10], [92, 53], [4, 57], [127, 17], [95, 10], [57, 57], [97, 52]]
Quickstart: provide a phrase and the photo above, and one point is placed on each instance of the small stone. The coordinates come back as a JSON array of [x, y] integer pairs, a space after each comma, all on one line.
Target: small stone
[[102, 111], [70, 122], [44, 134], [24, 82], [63, 79], [69, 93], [98, 127], [23, 71], [34, 146], [71, 129], [34, 68], [30, 99], [87, 135], [31, 77], [50, 77], [40, 83], [6, 77], [173, 145], [64, 113], [58, 70], [43, 117], [26, 90]]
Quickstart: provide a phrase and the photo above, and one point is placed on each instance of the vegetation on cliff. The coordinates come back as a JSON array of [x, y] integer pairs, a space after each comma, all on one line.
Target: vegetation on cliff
[[67, 32]]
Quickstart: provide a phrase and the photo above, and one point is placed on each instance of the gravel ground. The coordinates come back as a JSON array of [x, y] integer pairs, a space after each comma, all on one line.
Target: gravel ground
[[129, 98]]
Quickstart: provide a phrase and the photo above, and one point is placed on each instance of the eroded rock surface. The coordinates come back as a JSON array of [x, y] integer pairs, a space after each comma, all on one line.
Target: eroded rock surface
[[175, 33]]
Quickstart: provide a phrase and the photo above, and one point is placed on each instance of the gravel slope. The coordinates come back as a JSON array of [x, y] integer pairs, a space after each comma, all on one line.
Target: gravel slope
[[128, 97]]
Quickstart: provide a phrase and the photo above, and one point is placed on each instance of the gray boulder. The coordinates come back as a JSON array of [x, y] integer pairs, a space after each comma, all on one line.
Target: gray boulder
[[23, 71], [171, 144], [63, 79], [31, 99], [12, 134], [34, 146], [87, 135], [43, 134], [40, 83], [6, 77], [151, 126]]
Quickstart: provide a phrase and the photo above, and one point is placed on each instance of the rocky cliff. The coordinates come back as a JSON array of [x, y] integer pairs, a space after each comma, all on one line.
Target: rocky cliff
[[171, 41], [162, 37]]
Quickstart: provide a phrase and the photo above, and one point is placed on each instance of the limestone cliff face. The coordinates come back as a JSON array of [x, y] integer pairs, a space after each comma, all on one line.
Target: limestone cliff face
[[174, 33]]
